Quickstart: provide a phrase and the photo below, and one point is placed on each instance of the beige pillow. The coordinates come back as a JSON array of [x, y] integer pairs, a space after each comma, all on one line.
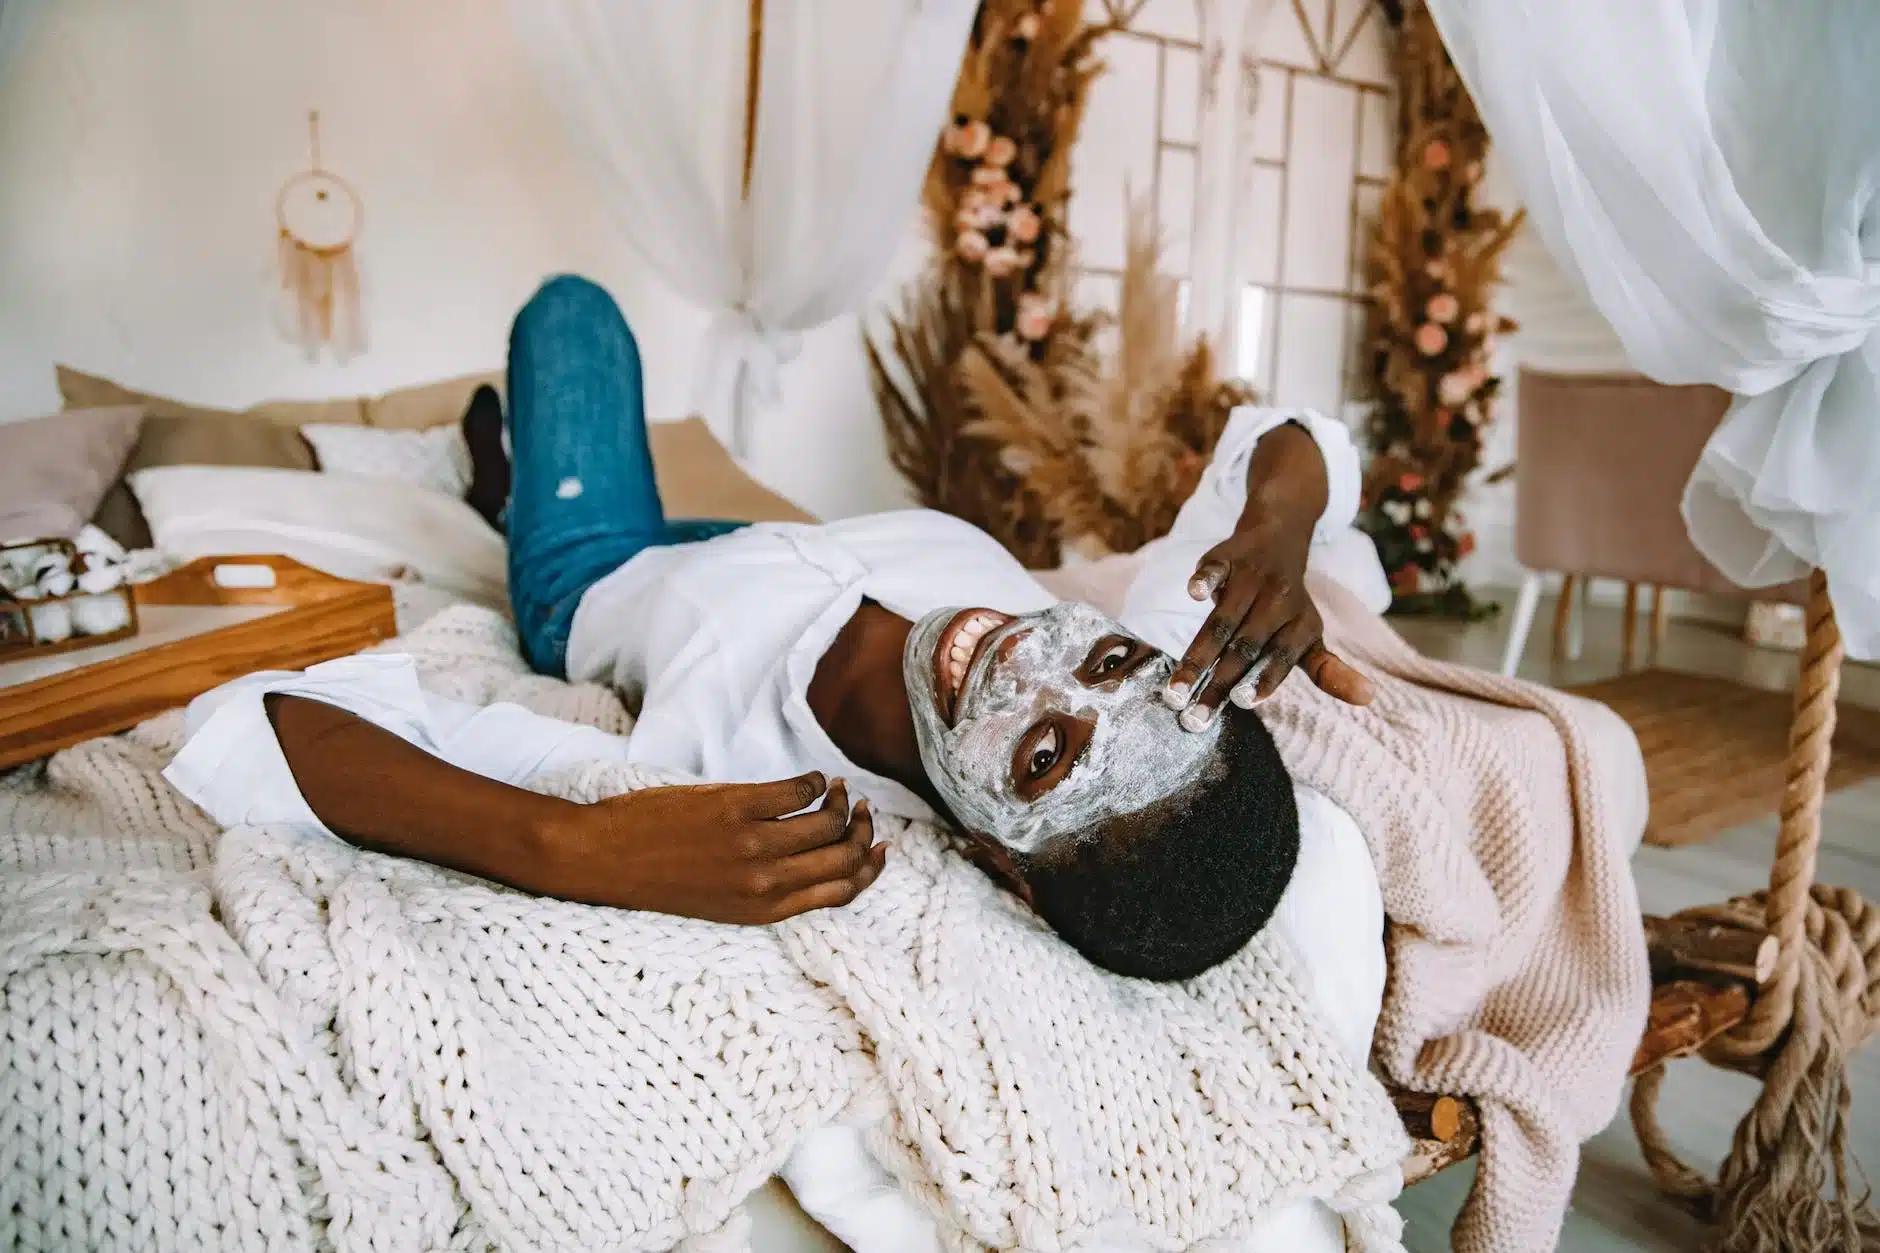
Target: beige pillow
[[196, 439], [54, 471], [407, 408], [698, 479], [88, 391]]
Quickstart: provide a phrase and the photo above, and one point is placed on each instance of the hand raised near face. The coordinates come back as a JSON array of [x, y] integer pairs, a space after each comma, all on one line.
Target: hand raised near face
[[720, 852], [1263, 625]]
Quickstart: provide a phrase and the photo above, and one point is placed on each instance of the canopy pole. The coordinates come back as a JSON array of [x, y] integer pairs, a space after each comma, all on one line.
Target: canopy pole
[[753, 60]]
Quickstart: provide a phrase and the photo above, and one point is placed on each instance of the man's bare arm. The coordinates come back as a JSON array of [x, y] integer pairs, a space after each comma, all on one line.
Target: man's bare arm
[[723, 852]]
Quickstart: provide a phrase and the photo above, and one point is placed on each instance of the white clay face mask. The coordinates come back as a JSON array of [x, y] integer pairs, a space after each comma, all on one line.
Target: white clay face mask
[[1001, 675]]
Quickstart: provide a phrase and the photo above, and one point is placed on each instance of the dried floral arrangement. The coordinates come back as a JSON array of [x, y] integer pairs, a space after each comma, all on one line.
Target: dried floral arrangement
[[999, 403], [1433, 265]]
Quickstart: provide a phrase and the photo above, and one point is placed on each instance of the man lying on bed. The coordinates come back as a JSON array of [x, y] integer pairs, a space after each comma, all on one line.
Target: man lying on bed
[[1130, 796]]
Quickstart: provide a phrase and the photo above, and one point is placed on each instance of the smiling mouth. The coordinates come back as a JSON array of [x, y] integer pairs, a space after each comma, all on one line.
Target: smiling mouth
[[960, 643]]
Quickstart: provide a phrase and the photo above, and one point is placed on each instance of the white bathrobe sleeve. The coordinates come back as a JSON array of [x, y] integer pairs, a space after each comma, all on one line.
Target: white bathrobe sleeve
[[232, 767], [1214, 509], [1158, 606]]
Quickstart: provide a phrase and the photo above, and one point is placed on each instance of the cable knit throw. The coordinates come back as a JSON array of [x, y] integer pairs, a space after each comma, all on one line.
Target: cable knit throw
[[1518, 973], [263, 1039]]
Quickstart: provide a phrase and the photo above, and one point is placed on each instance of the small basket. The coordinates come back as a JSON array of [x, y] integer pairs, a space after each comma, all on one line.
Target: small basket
[[56, 624]]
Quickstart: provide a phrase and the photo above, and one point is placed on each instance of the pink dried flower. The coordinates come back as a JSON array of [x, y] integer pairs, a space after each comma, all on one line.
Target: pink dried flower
[[971, 247], [1024, 224], [1437, 269], [1443, 308], [1035, 315], [1431, 339], [978, 216], [1455, 388], [1472, 172], [1002, 262], [970, 140], [1474, 324], [1027, 27], [1409, 481], [989, 176], [1000, 152], [1436, 155]]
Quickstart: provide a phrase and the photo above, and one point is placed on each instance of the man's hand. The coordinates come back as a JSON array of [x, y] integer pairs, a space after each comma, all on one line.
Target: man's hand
[[721, 852], [1263, 623]]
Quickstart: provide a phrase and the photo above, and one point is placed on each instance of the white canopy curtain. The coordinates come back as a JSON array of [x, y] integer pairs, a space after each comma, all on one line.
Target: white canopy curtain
[[1707, 171], [853, 95]]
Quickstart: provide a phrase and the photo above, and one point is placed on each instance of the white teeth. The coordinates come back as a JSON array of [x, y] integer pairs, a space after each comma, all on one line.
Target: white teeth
[[961, 652]]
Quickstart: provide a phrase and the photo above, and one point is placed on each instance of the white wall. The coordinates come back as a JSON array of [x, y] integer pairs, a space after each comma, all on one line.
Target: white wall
[[141, 146]]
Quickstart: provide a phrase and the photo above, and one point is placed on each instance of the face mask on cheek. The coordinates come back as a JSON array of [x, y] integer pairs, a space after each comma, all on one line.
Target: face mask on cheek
[[1136, 753]]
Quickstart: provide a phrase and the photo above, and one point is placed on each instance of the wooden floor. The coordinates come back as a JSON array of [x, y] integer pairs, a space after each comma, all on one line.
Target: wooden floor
[[1615, 1205]]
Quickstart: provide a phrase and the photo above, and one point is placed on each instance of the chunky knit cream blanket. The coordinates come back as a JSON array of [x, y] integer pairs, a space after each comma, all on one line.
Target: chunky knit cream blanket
[[1502, 816], [262, 1039]]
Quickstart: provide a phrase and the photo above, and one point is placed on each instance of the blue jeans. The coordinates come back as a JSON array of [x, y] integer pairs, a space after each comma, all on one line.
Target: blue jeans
[[583, 501]]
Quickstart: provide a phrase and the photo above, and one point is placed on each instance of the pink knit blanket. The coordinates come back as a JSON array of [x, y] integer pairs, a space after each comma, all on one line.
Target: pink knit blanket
[[1501, 815]]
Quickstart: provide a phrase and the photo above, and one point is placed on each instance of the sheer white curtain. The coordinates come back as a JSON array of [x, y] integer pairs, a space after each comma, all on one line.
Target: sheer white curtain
[[853, 95], [1707, 170]]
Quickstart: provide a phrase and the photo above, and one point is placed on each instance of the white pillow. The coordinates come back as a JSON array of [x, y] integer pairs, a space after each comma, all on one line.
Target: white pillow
[[437, 458], [355, 528]]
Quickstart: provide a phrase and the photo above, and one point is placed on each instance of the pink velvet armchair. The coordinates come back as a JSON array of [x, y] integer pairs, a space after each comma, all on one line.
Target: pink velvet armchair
[[1601, 462]]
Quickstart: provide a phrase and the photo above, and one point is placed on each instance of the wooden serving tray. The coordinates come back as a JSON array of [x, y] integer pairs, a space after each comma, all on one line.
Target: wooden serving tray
[[195, 635]]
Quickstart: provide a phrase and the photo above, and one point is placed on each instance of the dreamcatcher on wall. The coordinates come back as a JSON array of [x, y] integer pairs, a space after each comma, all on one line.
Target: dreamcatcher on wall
[[319, 216]]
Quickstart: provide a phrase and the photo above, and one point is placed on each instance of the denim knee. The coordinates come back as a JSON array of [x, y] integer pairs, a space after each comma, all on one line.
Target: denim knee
[[569, 296]]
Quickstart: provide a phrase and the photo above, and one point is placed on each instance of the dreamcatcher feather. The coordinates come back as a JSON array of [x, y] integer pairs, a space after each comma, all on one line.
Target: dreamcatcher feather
[[318, 215]]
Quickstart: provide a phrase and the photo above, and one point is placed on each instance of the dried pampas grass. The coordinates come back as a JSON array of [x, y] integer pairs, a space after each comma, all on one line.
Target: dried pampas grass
[[1109, 449], [998, 404]]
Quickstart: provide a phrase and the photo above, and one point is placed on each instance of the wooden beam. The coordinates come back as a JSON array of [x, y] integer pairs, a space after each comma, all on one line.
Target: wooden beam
[[1430, 1154], [1684, 1017], [753, 79], [1681, 948], [1428, 1117]]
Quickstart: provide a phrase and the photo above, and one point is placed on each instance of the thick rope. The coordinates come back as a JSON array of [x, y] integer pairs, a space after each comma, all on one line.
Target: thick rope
[[1811, 732], [1786, 1186]]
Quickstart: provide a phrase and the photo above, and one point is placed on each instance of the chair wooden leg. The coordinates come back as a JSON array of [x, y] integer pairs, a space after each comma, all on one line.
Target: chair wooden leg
[[1563, 613], [1576, 625], [1660, 619], [1629, 654]]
